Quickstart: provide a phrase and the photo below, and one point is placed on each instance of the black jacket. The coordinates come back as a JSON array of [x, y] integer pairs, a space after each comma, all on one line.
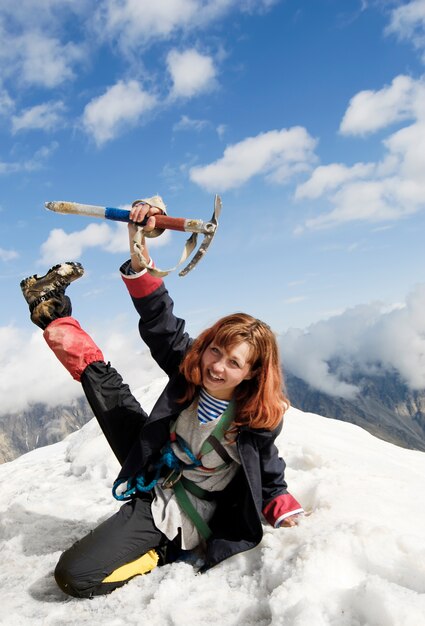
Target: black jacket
[[236, 524]]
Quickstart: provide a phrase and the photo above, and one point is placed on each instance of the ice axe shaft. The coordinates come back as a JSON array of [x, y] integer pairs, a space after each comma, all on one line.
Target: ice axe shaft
[[123, 215]]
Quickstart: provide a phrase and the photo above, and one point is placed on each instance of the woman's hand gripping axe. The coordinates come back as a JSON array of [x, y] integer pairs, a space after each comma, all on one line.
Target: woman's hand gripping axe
[[194, 226]]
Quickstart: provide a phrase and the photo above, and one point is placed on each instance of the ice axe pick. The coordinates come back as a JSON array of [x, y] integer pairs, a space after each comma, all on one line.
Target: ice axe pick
[[166, 222]]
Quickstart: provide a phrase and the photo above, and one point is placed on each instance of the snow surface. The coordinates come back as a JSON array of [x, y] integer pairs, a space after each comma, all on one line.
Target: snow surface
[[357, 560]]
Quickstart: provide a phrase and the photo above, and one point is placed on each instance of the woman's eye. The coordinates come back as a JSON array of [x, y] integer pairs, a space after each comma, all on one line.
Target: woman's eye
[[214, 350], [234, 363]]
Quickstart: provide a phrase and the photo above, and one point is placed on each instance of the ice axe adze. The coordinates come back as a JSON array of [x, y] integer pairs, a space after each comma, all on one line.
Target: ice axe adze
[[194, 226]]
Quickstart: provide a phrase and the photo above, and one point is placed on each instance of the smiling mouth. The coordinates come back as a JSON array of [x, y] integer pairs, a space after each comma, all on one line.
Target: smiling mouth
[[214, 378]]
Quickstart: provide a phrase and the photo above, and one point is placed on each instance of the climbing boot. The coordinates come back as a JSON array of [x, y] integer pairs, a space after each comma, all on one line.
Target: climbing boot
[[46, 294]]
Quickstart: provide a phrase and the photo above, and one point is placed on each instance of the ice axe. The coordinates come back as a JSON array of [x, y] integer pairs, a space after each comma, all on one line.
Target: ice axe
[[166, 222]]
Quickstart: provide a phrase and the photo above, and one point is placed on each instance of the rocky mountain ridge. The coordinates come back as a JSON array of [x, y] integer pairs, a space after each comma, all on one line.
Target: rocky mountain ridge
[[40, 425], [385, 406]]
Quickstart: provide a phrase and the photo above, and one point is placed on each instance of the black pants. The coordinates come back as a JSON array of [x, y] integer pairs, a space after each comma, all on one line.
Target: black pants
[[122, 538], [129, 533]]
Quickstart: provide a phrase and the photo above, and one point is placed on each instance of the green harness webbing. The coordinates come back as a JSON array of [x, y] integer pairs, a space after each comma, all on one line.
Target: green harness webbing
[[182, 485], [187, 506]]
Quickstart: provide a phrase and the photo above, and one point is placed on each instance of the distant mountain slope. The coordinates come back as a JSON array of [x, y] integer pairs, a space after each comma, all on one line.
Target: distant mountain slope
[[40, 426], [385, 407]]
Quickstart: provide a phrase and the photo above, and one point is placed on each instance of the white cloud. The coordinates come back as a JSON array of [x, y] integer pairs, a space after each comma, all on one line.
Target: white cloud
[[37, 59], [370, 111], [277, 155], [187, 123], [121, 106], [295, 300], [32, 164], [408, 22], [328, 177], [221, 130], [9, 168], [384, 198], [8, 255], [46, 61], [386, 190], [35, 45], [41, 155], [43, 13], [61, 246], [6, 102], [44, 116], [31, 49], [135, 23], [192, 73], [366, 200], [368, 339]]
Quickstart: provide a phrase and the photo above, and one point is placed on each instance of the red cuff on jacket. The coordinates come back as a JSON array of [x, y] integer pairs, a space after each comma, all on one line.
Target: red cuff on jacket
[[280, 508], [142, 284]]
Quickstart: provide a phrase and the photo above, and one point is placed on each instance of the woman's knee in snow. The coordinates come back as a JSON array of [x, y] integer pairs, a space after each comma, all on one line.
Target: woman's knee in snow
[[69, 581]]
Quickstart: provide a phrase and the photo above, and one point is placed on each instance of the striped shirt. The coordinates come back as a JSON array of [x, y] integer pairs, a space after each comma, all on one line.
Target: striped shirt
[[210, 408]]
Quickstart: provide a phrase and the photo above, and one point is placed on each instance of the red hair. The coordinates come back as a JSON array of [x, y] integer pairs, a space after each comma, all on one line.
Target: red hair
[[260, 401]]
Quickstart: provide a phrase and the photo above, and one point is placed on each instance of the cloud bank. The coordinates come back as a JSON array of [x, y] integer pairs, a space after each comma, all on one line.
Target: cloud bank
[[32, 374], [386, 190], [369, 339]]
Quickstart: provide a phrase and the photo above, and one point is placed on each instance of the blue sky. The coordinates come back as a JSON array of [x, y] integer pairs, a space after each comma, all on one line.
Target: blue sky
[[307, 117]]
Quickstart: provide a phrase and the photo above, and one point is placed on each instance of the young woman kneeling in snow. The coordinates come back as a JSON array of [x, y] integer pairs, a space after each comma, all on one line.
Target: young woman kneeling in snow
[[199, 471]]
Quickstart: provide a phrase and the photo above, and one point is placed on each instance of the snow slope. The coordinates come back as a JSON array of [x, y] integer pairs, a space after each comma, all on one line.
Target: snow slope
[[358, 559]]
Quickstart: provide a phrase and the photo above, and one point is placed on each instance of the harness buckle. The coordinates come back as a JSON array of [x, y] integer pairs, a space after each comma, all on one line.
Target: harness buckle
[[171, 479]]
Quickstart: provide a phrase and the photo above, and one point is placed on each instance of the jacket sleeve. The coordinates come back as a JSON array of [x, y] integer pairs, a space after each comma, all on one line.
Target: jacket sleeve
[[278, 504], [160, 329]]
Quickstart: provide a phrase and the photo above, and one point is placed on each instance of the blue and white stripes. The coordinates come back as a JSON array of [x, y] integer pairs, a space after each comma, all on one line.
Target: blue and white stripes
[[210, 408]]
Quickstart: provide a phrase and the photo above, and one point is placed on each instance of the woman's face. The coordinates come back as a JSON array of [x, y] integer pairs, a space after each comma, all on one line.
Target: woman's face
[[223, 369]]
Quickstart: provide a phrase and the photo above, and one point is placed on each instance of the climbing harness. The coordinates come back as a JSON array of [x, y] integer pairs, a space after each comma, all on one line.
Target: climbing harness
[[175, 479]]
